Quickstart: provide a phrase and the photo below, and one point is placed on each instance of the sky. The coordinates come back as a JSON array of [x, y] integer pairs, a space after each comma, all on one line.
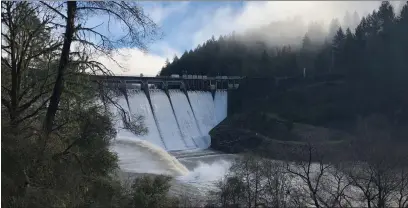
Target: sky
[[185, 24]]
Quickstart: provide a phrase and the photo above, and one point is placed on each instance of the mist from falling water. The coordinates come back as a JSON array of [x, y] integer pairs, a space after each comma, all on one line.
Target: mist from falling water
[[141, 156]]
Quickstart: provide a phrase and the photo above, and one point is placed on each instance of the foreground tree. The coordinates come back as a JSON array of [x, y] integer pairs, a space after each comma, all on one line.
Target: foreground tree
[[55, 135]]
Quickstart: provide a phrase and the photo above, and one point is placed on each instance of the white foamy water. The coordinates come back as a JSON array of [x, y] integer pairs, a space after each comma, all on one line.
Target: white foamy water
[[139, 105], [201, 179], [141, 156], [185, 118], [166, 120], [197, 171], [220, 105]]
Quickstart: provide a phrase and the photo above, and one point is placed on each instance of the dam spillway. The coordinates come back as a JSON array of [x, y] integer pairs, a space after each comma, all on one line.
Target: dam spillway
[[185, 118], [175, 120], [140, 106]]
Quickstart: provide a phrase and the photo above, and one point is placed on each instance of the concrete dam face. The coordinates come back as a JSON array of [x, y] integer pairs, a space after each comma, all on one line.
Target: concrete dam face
[[175, 120]]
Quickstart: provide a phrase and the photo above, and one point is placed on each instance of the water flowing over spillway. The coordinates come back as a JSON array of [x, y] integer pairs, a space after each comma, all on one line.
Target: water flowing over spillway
[[139, 105], [203, 107], [175, 121], [220, 104], [185, 118], [166, 121]]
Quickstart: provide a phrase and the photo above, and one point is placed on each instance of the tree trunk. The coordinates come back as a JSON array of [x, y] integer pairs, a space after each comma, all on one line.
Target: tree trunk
[[64, 59]]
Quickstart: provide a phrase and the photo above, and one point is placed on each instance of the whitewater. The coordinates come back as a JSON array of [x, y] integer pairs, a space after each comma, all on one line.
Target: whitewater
[[177, 143]]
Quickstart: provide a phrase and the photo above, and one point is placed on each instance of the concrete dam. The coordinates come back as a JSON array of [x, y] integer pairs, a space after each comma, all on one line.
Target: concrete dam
[[178, 112]]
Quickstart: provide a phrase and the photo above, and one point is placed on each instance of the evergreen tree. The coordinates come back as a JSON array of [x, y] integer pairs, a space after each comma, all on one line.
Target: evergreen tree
[[166, 63], [306, 43], [347, 20], [334, 26], [355, 20]]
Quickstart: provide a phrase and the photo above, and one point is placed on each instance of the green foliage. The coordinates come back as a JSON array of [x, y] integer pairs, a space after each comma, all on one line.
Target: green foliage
[[152, 192], [73, 169]]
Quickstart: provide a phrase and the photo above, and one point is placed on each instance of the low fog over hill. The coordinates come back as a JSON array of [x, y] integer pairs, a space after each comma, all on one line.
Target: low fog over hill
[[288, 22]]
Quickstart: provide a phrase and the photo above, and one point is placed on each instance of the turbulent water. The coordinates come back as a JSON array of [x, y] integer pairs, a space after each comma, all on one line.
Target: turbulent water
[[177, 140], [141, 156]]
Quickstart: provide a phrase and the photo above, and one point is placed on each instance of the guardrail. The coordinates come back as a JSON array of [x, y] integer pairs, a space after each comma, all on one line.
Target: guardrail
[[190, 82]]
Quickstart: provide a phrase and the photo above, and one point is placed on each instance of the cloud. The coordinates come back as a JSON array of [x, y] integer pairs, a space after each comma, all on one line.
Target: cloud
[[159, 12], [167, 51], [255, 14], [133, 62]]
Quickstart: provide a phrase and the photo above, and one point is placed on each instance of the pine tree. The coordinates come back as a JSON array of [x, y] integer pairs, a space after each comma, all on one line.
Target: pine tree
[[175, 59], [339, 38], [347, 20], [337, 48], [355, 20], [334, 26], [306, 43]]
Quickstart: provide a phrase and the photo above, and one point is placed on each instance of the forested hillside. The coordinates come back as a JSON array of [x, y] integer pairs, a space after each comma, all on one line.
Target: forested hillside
[[373, 58], [368, 45]]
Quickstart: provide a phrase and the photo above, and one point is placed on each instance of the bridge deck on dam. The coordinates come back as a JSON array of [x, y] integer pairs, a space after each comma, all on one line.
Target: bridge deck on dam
[[188, 82]]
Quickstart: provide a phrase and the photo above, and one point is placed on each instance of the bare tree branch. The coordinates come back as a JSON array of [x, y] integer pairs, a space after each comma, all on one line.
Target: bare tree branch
[[53, 9]]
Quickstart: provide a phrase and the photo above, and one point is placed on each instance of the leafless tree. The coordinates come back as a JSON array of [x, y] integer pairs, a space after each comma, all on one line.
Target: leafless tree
[[254, 182], [370, 171], [317, 178], [378, 165], [139, 30], [276, 181], [27, 61], [35, 33]]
